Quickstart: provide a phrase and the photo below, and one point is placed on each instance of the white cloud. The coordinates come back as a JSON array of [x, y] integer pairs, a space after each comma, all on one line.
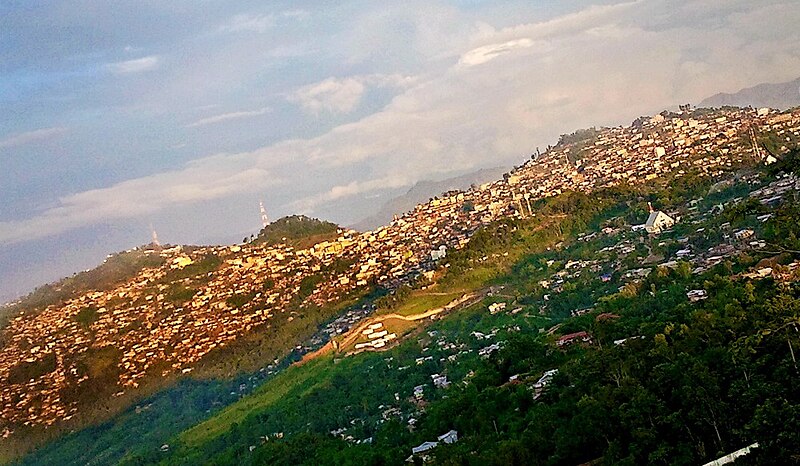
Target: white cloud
[[31, 137], [487, 53], [600, 66], [422, 33], [137, 65], [308, 204], [298, 14], [228, 116], [213, 178], [332, 95], [583, 20], [342, 95], [249, 23], [261, 23]]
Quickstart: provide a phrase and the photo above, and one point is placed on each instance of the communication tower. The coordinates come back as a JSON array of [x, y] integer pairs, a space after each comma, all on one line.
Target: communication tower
[[264, 218]]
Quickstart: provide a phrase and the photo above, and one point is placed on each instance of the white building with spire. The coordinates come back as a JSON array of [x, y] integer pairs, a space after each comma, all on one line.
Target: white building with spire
[[658, 221]]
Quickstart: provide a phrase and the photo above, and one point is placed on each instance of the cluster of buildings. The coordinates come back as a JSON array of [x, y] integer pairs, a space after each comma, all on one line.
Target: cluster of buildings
[[376, 335], [167, 318], [704, 141], [422, 449]]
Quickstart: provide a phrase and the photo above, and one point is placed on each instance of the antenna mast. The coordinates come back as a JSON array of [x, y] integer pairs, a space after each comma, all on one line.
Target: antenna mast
[[264, 218], [155, 236]]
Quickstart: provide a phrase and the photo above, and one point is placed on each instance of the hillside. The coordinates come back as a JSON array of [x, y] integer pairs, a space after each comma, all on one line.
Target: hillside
[[584, 348], [244, 312], [117, 268], [780, 96], [422, 191], [297, 231]]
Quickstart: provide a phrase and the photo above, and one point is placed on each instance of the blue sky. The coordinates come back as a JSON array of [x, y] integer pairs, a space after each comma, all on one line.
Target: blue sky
[[183, 114]]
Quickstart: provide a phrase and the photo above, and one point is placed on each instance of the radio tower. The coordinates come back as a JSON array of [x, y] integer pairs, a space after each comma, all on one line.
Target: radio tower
[[156, 243], [264, 219]]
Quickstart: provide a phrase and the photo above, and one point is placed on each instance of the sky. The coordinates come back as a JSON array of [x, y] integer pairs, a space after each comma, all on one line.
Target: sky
[[118, 115]]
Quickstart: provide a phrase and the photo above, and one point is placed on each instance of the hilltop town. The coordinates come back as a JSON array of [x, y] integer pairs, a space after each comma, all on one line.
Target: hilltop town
[[168, 318]]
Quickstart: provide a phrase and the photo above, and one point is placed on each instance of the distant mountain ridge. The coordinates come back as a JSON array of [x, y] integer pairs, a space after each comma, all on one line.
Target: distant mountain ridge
[[422, 191], [780, 96]]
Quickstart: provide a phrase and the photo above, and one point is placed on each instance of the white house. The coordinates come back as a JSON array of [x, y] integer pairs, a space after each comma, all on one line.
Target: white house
[[423, 447], [449, 437]]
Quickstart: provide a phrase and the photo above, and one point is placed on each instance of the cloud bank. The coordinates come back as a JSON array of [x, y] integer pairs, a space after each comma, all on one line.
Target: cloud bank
[[487, 53], [482, 96]]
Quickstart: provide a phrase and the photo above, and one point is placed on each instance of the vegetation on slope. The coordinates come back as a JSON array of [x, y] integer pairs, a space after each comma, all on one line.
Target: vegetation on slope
[[297, 231], [265, 344], [116, 269], [693, 380]]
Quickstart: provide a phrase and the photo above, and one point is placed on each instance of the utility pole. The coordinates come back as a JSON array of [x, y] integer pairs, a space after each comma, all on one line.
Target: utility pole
[[754, 142], [527, 197]]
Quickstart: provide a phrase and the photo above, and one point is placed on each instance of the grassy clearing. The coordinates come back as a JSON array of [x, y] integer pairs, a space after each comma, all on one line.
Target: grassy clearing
[[422, 301], [293, 382], [440, 295], [391, 325], [399, 326]]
